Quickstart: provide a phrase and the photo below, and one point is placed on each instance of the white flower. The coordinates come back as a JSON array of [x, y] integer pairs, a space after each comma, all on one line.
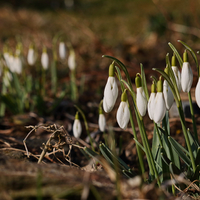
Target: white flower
[[62, 50], [71, 60], [177, 75], [159, 108], [110, 94], [197, 93], [17, 64], [186, 77], [123, 114], [45, 60], [31, 57], [77, 129], [168, 95], [102, 122], [141, 101], [151, 104]]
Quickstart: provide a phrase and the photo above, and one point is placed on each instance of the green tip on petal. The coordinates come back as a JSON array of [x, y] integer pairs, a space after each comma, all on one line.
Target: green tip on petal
[[159, 86], [76, 116], [112, 69], [166, 70], [173, 60], [185, 56], [153, 87], [138, 81], [124, 96]]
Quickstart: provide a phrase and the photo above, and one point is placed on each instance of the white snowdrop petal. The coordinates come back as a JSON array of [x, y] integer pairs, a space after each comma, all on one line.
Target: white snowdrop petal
[[197, 93], [151, 105], [123, 115], [31, 57], [160, 108], [102, 122], [71, 61], [45, 60], [110, 94], [77, 129], [186, 77], [62, 50], [168, 95], [141, 101], [177, 75]]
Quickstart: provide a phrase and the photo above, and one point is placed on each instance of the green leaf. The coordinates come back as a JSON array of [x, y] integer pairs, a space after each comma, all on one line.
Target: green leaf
[[155, 143], [177, 54], [197, 159], [109, 156], [194, 145], [139, 145], [180, 151], [196, 175]]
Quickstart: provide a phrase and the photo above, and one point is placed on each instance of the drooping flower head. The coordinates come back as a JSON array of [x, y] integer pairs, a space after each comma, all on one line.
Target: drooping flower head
[[32, 56], [123, 113], [45, 58], [62, 50], [177, 73], [77, 129], [186, 74], [102, 120], [168, 95], [110, 91], [72, 60], [160, 106], [151, 101], [141, 99], [197, 93]]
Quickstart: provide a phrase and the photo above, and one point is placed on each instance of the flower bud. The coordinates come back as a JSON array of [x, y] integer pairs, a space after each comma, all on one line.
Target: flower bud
[[110, 91], [71, 60], [77, 129], [160, 106], [186, 74], [31, 57], [123, 113], [62, 50], [197, 93], [141, 99], [44, 59]]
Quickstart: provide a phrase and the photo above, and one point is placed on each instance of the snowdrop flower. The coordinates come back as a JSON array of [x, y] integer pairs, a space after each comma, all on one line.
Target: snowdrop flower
[[71, 60], [167, 92], [123, 113], [186, 74], [45, 59], [62, 50], [17, 64], [77, 129], [31, 57], [177, 73], [141, 99], [102, 120], [110, 91], [160, 106], [151, 101]]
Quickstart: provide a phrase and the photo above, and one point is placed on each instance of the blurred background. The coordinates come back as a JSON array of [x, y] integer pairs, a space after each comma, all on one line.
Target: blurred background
[[134, 31]]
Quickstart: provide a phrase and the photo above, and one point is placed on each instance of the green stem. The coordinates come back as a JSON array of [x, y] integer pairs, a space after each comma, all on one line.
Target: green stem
[[193, 118], [180, 109], [139, 151], [73, 85], [158, 134], [150, 153]]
